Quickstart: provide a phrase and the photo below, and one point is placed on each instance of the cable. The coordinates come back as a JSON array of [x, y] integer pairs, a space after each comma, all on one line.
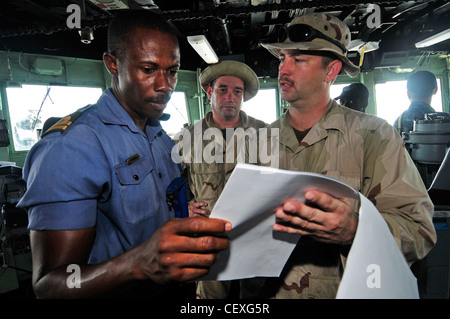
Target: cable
[[3, 253], [176, 108], [40, 108], [2, 242]]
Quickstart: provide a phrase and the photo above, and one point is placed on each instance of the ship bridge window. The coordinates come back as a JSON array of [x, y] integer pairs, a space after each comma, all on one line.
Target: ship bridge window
[[263, 106], [336, 90], [31, 105], [177, 108]]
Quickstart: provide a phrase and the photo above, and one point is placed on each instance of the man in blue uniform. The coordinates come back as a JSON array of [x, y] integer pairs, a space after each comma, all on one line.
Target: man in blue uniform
[[96, 182], [421, 86]]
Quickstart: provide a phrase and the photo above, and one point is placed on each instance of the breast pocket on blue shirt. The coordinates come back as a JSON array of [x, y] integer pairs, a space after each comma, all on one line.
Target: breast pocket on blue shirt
[[138, 190]]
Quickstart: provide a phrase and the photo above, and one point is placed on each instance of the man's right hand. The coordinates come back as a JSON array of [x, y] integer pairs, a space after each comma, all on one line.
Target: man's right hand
[[181, 250], [197, 209]]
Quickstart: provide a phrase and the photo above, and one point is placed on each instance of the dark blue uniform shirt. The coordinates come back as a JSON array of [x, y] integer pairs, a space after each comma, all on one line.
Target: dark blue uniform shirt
[[416, 111]]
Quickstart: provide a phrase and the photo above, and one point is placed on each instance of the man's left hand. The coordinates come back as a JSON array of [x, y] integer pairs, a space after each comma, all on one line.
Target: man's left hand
[[323, 217]]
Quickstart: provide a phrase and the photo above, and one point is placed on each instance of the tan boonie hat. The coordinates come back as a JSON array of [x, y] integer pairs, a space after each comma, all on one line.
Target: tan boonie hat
[[328, 26], [231, 68]]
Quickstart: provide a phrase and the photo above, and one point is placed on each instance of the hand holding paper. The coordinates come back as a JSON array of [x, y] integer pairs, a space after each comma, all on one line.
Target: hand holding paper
[[323, 217], [248, 201]]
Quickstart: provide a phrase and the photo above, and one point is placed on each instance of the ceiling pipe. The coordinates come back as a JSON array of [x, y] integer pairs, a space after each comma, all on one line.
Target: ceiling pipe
[[200, 15], [246, 10], [224, 27]]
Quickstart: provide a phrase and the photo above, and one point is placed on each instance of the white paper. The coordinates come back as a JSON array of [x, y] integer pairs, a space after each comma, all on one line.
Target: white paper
[[248, 201], [441, 181], [375, 266]]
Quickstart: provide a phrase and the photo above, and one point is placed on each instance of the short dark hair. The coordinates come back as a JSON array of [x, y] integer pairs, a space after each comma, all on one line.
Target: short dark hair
[[123, 23], [421, 84]]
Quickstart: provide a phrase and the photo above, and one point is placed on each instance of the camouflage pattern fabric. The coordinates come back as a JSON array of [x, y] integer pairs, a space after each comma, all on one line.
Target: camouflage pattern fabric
[[207, 180]]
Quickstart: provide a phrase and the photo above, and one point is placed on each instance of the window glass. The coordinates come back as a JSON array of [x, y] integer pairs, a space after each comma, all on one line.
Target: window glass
[[177, 108], [263, 106], [336, 90], [31, 105], [392, 100]]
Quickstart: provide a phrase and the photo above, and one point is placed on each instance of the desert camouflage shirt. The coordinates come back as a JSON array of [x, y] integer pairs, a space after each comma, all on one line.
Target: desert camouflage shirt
[[212, 157]]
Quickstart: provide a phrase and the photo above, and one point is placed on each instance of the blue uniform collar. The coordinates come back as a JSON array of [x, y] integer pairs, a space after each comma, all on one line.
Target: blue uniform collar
[[112, 112]]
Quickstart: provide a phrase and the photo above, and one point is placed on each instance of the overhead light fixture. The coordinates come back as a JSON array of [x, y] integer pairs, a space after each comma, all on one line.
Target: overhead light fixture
[[203, 48], [45, 66], [438, 37], [86, 35]]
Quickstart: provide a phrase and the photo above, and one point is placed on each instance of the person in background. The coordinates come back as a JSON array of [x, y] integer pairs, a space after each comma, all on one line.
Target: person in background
[[420, 88], [96, 183], [228, 85], [354, 96]]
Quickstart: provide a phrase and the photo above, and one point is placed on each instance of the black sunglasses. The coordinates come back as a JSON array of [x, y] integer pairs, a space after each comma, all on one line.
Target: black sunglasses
[[305, 33]]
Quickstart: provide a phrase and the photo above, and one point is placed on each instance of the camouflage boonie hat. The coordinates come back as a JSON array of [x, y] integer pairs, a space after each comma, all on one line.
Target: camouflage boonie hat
[[231, 68], [328, 26]]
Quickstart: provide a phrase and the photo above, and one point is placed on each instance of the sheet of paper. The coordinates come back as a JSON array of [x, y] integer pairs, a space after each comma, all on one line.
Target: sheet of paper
[[248, 202], [441, 181], [375, 266]]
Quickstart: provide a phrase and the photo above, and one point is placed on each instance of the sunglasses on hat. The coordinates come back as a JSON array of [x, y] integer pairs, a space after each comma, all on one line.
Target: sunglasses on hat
[[305, 33]]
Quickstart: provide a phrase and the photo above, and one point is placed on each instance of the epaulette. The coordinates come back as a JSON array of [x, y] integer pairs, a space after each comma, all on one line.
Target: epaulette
[[63, 124]]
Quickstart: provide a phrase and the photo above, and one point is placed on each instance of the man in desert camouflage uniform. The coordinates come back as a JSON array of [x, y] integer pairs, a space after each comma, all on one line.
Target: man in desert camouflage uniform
[[222, 134], [318, 135], [228, 84]]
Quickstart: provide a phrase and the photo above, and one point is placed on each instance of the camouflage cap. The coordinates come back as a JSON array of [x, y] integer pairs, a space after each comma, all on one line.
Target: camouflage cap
[[330, 27], [231, 68]]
